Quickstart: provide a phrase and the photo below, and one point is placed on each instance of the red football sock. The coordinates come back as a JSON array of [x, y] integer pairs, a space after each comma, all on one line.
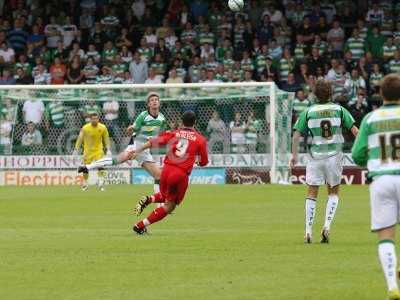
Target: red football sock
[[157, 215], [157, 198]]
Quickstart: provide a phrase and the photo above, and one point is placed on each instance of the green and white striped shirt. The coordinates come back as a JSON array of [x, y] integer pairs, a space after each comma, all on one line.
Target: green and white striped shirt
[[375, 78], [145, 53], [247, 64], [356, 46], [55, 113], [389, 51], [146, 126], [188, 35], [299, 51], [261, 63], [394, 66], [300, 105], [206, 38], [323, 47], [377, 145], [228, 63], [285, 67], [324, 123]]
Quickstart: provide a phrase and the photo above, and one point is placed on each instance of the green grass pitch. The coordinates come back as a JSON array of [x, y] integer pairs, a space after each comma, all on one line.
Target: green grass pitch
[[223, 242]]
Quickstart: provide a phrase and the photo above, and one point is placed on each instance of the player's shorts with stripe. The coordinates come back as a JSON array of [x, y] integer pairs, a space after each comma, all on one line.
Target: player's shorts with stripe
[[88, 158], [385, 201], [325, 171], [173, 183], [143, 157]]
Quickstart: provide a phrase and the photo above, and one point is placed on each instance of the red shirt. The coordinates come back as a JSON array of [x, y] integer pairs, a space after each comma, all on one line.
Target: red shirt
[[183, 147]]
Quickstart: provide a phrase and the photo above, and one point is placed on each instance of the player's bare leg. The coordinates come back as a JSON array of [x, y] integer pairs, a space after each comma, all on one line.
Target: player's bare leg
[[107, 161], [154, 170], [310, 207], [331, 206], [157, 215], [388, 259]]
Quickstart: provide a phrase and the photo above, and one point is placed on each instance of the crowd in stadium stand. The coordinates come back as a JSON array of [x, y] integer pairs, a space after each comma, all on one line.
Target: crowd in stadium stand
[[353, 44]]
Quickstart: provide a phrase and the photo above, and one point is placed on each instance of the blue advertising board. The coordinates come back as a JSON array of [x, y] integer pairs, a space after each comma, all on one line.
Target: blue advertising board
[[198, 176]]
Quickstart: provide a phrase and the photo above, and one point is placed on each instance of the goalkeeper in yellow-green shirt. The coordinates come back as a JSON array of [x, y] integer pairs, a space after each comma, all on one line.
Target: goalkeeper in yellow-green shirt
[[95, 138]]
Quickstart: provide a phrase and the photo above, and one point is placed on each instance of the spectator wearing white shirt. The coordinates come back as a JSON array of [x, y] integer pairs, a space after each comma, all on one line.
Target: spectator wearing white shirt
[[76, 51], [207, 50], [375, 15], [41, 75], [69, 32], [5, 137], [138, 69], [153, 77], [150, 37], [53, 32], [274, 14], [170, 38], [354, 84], [32, 136], [7, 55], [335, 37], [174, 78], [138, 8], [33, 111]]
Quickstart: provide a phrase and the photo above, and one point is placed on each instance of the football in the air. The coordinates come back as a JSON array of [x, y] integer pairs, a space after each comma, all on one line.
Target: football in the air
[[236, 5]]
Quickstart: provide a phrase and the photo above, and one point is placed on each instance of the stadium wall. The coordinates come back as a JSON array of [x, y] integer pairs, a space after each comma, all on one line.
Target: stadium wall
[[223, 169]]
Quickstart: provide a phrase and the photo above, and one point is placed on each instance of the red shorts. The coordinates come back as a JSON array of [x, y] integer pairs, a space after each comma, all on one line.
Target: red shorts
[[173, 184]]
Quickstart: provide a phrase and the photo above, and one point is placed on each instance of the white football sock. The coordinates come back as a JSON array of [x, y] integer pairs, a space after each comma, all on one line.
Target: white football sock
[[156, 187], [107, 161], [310, 214], [387, 256], [331, 205]]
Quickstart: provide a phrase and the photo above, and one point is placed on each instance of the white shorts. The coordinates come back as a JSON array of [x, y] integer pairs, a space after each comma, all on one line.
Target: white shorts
[[325, 171], [143, 157], [385, 201]]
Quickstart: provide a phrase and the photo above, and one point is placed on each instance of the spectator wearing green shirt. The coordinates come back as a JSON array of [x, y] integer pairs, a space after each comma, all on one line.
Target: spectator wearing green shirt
[[375, 42], [55, 122], [119, 67], [253, 127], [356, 45], [109, 53]]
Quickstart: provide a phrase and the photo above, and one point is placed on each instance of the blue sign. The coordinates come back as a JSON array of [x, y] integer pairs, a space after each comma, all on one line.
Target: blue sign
[[198, 176]]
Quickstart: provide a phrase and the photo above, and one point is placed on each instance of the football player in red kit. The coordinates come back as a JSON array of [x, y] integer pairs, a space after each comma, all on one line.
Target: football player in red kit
[[184, 146]]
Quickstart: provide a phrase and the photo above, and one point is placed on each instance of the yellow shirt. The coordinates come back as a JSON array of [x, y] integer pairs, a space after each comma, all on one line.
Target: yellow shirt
[[95, 138]]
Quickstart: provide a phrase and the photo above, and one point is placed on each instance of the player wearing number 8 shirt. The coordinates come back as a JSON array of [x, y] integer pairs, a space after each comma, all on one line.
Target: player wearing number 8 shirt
[[184, 145], [377, 146], [324, 122]]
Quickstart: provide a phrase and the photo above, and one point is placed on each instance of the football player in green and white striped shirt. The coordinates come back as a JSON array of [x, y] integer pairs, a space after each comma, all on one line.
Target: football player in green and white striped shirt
[[147, 125], [323, 122], [377, 147]]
